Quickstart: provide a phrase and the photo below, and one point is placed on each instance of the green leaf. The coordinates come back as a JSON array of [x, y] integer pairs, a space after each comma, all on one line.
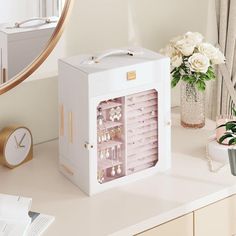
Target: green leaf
[[206, 77], [221, 140], [210, 73], [220, 126], [192, 79], [201, 85], [230, 126], [232, 121], [176, 74], [185, 78], [175, 81], [227, 124], [232, 141]]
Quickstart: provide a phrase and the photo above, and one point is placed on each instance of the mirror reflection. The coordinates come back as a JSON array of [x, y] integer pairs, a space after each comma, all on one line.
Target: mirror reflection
[[25, 29]]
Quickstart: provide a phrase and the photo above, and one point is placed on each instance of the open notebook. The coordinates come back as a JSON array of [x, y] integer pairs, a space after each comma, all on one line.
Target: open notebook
[[16, 219]]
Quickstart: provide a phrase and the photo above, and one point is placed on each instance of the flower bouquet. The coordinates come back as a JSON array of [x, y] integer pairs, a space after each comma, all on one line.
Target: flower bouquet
[[192, 62]]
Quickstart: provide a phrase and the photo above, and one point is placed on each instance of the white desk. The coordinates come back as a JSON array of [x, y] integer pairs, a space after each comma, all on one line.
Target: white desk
[[129, 209]]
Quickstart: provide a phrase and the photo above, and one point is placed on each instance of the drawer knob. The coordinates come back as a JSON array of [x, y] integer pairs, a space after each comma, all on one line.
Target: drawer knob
[[88, 146]]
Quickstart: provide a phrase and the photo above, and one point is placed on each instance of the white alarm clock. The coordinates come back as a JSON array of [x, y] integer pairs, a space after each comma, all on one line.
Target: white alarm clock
[[16, 146]]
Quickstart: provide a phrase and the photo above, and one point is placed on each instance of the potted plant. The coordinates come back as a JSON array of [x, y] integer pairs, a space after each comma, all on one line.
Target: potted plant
[[230, 136], [221, 128], [192, 62]]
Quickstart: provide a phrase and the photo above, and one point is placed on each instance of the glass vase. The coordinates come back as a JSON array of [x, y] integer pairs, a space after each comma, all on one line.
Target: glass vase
[[192, 106]]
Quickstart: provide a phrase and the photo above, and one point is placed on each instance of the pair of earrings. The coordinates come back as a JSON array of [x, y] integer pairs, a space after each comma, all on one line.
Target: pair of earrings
[[115, 113], [116, 132], [104, 137], [104, 154], [100, 117], [117, 171]]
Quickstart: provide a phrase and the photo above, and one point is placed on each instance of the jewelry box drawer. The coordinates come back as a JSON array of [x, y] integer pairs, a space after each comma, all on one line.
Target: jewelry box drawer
[[118, 79]]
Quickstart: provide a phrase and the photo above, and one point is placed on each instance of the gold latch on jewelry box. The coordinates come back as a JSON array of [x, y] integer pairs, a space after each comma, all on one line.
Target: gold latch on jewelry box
[[131, 75]]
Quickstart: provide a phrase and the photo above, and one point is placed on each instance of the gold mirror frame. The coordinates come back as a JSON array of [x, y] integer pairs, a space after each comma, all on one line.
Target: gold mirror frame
[[43, 56]]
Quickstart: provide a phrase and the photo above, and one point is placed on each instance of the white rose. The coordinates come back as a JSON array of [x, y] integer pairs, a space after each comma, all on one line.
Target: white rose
[[175, 55], [199, 63], [176, 60], [208, 50], [185, 46], [168, 51], [174, 40], [219, 59], [194, 36]]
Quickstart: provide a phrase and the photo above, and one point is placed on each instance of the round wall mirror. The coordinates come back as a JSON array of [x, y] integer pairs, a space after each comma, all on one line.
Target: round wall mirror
[[29, 30]]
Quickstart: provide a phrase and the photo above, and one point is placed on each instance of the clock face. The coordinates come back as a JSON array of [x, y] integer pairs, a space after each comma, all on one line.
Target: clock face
[[18, 146]]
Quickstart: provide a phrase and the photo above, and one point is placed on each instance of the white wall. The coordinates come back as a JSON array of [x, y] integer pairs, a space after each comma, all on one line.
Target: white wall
[[33, 104], [15, 10], [98, 25]]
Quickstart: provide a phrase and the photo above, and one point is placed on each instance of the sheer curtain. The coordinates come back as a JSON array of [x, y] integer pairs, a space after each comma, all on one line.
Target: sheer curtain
[[226, 85], [50, 7]]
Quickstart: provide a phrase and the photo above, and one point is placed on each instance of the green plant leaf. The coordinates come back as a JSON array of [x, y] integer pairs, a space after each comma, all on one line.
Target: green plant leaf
[[175, 81], [233, 130], [232, 141], [192, 79], [221, 140], [176, 74], [230, 126], [206, 77], [210, 73], [201, 85], [220, 126], [185, 78]]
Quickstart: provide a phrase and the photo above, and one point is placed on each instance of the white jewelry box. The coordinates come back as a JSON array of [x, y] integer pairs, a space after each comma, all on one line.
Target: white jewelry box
[[19, 46], [114, 118]]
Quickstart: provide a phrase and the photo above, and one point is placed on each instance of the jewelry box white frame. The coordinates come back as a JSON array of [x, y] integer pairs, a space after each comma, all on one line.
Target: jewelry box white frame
[[83, 84]]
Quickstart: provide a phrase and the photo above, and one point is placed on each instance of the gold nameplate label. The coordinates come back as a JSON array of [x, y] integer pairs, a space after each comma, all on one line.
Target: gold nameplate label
[[131, 75]]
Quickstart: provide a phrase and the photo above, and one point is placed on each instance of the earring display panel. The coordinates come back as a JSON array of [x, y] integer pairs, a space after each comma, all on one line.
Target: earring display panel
[[127, 135]]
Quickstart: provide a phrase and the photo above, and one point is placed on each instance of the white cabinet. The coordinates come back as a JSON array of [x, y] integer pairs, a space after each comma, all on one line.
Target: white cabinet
[[114, 118], [182, 226], [20, 46], [218, 219]]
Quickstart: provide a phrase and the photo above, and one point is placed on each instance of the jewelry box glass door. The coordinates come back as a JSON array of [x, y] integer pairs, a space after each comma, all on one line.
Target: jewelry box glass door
[[127, 135]]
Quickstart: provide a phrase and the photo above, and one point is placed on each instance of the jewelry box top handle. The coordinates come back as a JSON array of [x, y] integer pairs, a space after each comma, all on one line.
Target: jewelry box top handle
[[43, 22], [100, 57]]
